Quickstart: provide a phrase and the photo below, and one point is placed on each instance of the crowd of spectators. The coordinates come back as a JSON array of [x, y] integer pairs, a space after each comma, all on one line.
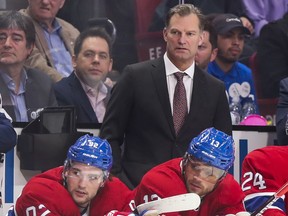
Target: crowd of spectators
[[56, 31], [55, 36]]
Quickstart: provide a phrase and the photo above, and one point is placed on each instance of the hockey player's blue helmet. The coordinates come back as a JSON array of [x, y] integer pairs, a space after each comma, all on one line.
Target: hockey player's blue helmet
[[214, 148], [93, 151]]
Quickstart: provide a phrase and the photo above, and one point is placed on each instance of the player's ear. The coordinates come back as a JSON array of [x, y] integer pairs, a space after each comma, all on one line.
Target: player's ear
[[102, 184], [65, 174]]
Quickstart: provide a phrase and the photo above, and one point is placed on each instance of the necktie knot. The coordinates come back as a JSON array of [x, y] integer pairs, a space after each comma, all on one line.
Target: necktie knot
[[179, 76]]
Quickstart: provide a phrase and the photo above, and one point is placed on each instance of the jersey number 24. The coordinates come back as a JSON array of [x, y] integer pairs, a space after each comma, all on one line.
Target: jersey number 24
[[255, 180]]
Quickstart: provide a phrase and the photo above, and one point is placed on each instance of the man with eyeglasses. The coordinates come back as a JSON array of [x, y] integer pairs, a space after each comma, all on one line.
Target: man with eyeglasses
[[82, 186], [85, 88], [24, 90], [202, 170]]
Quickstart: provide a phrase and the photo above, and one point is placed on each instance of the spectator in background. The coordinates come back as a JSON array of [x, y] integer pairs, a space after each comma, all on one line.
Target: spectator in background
[[261, 12], [24, 90], [272, 56], [54, 39], [207, 7], [264, 172], [282, 114], [79, 12], [83, 186], [207, 49], [141, 109], [237, 77], [210, 7], [84, 88], [8, 136]]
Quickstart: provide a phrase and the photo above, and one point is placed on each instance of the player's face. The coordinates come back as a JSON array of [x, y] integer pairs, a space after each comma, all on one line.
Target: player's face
[[230, 45], [45, 11], [205, 52], [182, 36], [200, 177], [13, 47], [83, 182], [93, 61]]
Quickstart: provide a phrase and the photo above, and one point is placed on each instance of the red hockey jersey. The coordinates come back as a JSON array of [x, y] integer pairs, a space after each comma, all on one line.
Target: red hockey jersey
[[45, 194], [166, 180], [264, 171]]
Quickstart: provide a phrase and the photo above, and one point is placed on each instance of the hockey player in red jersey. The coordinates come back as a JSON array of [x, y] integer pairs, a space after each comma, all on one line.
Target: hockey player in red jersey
[[264, 171], [81, 187], [203, 170]]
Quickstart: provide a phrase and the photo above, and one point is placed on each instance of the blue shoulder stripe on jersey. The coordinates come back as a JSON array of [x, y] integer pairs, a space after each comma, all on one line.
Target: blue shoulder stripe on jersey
[[252, 204], [9, 176]]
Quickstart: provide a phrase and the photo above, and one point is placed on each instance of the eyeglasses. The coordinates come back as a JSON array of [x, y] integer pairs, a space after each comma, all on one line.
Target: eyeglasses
[[79, 175], [205, 171]]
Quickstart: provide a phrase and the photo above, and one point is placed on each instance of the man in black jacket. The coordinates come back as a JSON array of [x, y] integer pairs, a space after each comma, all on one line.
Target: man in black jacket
[[272, 56], [141, 108]]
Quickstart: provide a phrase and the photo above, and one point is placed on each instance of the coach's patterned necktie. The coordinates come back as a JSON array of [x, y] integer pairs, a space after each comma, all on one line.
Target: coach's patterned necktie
[[180, 108]]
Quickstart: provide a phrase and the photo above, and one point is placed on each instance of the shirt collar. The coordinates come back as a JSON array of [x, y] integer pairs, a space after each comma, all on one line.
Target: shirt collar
[[171, 68], [7, 79], [55, 24]]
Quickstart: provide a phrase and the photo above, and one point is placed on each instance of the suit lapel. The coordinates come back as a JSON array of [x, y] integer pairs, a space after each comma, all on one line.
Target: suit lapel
[[66, 37], [106, 100], [197, 102], [41, 43], [30, 89], [199, 93], [160, 82], [199, 90]]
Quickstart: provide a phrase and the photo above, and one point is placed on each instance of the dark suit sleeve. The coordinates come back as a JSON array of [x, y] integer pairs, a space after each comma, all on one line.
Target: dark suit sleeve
[[272, 55], [281, 113], [117, 117], [7, 134]]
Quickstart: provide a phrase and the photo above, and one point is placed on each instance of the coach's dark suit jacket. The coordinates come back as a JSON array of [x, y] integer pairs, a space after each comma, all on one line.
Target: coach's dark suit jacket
[[281, 113], [139, 115], [69, 91], [38, 93]]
